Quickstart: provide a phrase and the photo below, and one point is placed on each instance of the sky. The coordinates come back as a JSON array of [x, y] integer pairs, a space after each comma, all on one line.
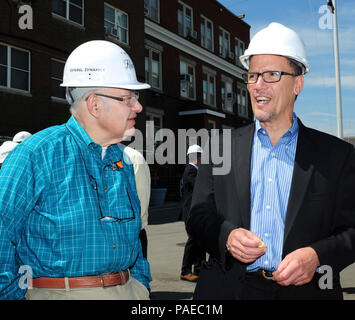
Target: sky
[[316, 105]]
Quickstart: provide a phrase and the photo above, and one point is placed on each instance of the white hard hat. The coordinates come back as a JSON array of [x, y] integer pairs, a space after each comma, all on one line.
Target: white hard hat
[[194, 149], [100, 63], [279, 40], [6, 148], [20, 136]]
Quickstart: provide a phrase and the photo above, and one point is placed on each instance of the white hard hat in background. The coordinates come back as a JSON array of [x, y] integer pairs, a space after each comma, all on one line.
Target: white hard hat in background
[[20, 136], [194, 149], [6, 148], [101, 63], [279, 40]]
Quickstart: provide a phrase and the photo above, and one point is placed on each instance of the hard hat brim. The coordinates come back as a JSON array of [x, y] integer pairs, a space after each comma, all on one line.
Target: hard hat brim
[[244, 59], [137, 86]]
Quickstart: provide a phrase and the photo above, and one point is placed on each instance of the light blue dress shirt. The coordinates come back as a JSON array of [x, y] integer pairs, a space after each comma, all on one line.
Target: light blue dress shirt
[[50, 212], [271, 177]]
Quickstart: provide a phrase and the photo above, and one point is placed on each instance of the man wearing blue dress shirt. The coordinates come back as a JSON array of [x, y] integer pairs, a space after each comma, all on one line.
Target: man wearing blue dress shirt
[[69, 210], [287, 207]]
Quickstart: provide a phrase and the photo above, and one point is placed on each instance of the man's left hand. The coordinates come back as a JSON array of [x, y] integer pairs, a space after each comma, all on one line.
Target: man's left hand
[[297, 268]]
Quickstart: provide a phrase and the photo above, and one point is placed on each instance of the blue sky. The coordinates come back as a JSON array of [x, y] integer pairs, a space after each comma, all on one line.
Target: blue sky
[[316, 105]]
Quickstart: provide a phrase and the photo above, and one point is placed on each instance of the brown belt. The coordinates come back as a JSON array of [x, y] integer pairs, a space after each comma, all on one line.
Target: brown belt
[[104, 280]]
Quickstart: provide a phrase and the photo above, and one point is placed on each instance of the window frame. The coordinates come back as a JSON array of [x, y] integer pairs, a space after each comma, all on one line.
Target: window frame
[[184, 27], [243, 110], [192, 82], [148, 5], [213, 123], [150, 114], [222, 49], [211, 127], [116, 25], [57, 79], [9, 68], [206, 100], [67, 11], [238, 52], [204, 38], [225, 107], [150, 80]]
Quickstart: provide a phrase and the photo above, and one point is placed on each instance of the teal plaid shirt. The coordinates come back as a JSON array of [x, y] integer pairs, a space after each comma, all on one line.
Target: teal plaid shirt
[[50, 212]]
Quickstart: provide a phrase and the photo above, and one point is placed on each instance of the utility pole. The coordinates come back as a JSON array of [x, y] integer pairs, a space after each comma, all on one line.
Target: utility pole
[[333, 9]]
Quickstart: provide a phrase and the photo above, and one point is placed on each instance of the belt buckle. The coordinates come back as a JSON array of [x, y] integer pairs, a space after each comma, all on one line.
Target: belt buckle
[[103, 282], [263, 273]]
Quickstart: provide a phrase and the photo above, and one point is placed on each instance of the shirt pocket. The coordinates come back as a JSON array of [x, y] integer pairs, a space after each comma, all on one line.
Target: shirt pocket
[[124, 207]]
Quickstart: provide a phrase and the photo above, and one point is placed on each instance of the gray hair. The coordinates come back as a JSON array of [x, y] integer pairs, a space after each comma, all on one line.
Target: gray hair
[[75, 95]]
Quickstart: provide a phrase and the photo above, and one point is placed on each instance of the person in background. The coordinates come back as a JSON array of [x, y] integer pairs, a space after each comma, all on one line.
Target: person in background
[[142, 175], [8, 146], [5, 149], [194, 256], [69, 209], [21, 136], [285, 213]]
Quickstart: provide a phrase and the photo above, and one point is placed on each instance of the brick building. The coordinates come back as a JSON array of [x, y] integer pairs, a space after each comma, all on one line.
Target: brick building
[[191, 62], [187, 52], [32, 60]]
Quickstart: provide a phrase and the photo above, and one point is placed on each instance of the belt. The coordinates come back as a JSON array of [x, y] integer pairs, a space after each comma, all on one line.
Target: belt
[[103, 280], [266, 274]]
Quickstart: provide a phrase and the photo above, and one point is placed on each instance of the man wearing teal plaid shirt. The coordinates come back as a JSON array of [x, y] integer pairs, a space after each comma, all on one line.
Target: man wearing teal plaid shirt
[[69, 210]]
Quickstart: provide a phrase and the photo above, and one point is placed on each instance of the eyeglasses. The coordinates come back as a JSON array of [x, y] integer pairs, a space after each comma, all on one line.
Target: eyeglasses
[[268, 76], [128, 100], [109, 218], [94, 186]]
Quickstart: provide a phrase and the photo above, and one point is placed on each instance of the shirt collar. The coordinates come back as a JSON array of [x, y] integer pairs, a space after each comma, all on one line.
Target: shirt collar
[[78, 131], [286, 138], [194, 165], [294, 128], [114, 152]]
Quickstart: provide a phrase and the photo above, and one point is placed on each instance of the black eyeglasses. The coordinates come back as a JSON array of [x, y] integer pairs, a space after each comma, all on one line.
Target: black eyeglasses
[[104, 218], [128, 101], [268, 76]]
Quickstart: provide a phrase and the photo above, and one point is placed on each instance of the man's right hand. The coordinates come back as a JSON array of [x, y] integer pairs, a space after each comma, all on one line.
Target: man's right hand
[[244, 245]]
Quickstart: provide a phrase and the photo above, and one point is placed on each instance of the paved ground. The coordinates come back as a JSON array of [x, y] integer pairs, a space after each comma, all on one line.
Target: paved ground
[[166, 240], [165, 251]]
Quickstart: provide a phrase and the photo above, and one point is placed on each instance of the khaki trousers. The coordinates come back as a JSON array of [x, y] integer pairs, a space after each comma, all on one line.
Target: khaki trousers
[[131, 290]]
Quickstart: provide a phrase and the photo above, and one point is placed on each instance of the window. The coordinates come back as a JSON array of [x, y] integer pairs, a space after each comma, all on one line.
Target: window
[[72, 10], [57, 68], [185, 21], [116, 23], [224, 43], [187, 80], [151, 9], [242, 102], [239, 50], [157, 118], [14, 68], [153, 74], [211, 126], [206, 33], [209, 88], [227, 95]]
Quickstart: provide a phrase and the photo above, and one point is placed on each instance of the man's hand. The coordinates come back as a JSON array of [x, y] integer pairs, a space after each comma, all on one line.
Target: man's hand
[[245, 245], [297, 268]]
